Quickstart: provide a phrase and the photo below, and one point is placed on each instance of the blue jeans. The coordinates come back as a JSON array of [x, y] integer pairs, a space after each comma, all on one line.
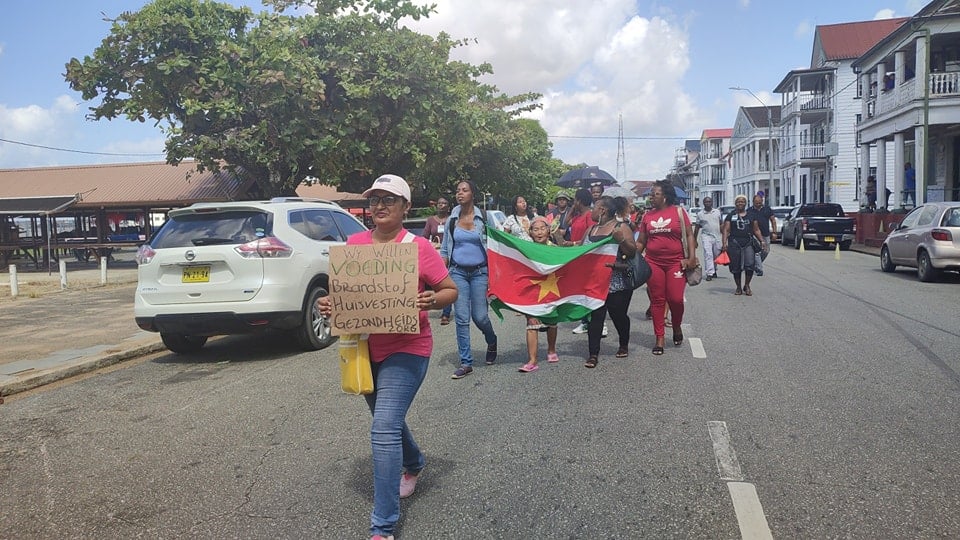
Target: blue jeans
[[396, 381], [471, 303]]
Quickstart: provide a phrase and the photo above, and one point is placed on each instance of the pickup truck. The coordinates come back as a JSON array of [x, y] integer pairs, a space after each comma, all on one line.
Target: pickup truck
[[822, 223]]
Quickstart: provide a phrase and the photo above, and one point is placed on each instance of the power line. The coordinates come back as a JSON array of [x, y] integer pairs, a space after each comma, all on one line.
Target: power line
[[611, 137], [77, 151]]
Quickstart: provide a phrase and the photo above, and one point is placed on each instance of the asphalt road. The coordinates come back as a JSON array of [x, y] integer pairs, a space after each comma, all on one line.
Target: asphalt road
[[824, 406]]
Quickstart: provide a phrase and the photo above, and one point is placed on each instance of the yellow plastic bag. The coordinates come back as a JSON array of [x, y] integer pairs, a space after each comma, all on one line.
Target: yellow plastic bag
[[355, 374]]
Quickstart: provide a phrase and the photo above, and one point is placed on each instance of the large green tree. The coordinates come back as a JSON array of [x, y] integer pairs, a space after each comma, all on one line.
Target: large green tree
[[336, 97]]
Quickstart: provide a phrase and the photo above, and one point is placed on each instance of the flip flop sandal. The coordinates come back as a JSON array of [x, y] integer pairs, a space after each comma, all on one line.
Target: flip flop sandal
[[591, 362], [528, 368]]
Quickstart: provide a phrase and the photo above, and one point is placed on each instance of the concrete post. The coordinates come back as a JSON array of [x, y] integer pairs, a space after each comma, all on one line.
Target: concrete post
[[14, 286], [63, 273], [103, 270]]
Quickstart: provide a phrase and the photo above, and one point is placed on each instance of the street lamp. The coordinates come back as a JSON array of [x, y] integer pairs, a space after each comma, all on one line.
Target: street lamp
[[769, 131]]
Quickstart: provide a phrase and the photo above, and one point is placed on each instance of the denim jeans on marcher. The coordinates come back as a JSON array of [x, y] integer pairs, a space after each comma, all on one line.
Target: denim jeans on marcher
[[471, 304], [396, 381]]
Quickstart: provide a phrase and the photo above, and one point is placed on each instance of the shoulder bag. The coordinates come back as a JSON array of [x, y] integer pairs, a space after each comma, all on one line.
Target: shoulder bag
[[695, 274], [356, 373], [637, 269]]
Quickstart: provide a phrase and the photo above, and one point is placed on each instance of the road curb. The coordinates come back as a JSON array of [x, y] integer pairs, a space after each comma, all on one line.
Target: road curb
[[34, 379]]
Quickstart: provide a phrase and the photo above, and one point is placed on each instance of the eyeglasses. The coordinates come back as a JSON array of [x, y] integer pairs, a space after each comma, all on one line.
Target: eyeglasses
[[387, 200]]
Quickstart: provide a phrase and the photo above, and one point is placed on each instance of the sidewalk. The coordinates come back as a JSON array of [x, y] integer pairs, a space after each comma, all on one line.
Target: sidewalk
[[51, 334]]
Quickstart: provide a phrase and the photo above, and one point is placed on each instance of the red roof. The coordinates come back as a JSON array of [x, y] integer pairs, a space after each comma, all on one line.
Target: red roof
[[724, 133], [850, 40]]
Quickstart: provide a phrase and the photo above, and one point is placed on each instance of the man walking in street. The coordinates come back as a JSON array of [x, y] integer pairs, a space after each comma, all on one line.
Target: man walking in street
[[708, 227], [764, 217]]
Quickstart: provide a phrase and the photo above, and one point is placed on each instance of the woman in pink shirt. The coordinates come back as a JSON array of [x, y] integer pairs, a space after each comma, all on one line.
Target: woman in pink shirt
[[399, 360]]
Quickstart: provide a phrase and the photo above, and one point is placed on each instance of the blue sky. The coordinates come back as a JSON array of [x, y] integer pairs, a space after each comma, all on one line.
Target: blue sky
[[664, 67]]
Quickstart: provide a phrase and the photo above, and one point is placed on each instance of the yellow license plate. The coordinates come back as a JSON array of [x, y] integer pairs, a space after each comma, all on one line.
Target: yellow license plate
[[829, 239], [196, 274]]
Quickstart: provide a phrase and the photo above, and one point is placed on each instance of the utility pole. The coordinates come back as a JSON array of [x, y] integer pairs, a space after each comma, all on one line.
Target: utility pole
[[621, 154]]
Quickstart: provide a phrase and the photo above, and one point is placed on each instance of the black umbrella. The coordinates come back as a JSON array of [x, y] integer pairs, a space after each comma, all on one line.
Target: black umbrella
[[586, 176]]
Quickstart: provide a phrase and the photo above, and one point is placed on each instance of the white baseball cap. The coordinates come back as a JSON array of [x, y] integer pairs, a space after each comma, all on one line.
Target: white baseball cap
[[392, 184]]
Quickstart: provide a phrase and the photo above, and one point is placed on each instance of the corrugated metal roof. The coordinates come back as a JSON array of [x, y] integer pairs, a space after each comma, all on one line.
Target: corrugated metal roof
[[724, 133], [330, 193], [850, 40], [126, 184]]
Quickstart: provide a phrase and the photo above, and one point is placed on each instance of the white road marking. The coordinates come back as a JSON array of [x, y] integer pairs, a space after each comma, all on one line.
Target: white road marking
[[746, 503], [753, 524], [696, 346], [727, 463]]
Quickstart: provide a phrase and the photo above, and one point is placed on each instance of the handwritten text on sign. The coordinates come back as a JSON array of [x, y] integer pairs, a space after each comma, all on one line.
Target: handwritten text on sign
[[373, 289]]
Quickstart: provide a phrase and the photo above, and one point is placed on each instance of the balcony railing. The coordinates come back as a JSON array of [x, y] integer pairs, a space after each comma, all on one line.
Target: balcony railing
[[806, 102], [941, 85], [804, 152], [821, 101], [945, 84]]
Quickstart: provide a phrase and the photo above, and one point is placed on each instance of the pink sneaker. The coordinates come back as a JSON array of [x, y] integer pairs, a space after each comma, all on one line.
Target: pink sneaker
[[552, 358], [408, 483]]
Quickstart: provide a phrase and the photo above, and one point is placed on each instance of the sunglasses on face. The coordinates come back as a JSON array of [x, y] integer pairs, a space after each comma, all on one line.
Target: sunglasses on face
[[387, 200]]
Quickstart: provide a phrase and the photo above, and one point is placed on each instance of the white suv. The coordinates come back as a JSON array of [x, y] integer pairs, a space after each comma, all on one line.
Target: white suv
[[240, 267]]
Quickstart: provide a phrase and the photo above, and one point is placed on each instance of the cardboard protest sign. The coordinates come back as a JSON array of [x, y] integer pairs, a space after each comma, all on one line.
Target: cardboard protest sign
[[373, 289]]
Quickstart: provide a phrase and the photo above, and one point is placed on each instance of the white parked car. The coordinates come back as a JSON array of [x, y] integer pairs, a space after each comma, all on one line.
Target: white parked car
[[240, 267], [779, 214], [495, 219]]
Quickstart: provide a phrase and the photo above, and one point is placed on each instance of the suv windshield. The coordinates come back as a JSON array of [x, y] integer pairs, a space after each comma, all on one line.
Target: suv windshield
[[188, 230]]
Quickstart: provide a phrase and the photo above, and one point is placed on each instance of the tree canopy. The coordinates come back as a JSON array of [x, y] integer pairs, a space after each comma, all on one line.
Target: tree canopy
[[336, 97]]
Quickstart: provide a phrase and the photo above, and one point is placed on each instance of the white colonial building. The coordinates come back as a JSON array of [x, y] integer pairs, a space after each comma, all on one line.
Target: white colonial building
[[911, 106], [713, 179], [819, 152], [753, 153]]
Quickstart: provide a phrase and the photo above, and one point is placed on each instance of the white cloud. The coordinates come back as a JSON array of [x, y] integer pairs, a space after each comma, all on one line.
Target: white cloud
[[62, 125], [884, 14], [803, 30], [592, 61]]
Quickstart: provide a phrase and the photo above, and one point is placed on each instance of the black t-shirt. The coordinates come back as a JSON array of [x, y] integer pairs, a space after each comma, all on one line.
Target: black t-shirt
[[741, 228], [762, 217]]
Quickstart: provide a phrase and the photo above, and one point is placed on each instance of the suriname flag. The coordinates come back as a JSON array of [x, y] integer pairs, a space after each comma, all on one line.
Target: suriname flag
[[554, 284]]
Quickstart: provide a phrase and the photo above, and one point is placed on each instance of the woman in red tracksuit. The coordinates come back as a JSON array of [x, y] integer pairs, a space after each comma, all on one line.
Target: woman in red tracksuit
[[659, 235]]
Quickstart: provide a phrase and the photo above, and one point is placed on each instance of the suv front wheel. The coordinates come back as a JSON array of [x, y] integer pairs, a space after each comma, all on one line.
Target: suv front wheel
[[314, 332]]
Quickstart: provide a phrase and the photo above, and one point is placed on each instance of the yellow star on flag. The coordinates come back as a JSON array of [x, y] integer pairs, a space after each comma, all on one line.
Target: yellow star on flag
[[547, 285]]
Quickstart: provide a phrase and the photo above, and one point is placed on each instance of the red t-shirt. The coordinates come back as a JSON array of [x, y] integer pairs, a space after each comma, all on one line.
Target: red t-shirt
[[432, 272], [663, 234], [578, 226]]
